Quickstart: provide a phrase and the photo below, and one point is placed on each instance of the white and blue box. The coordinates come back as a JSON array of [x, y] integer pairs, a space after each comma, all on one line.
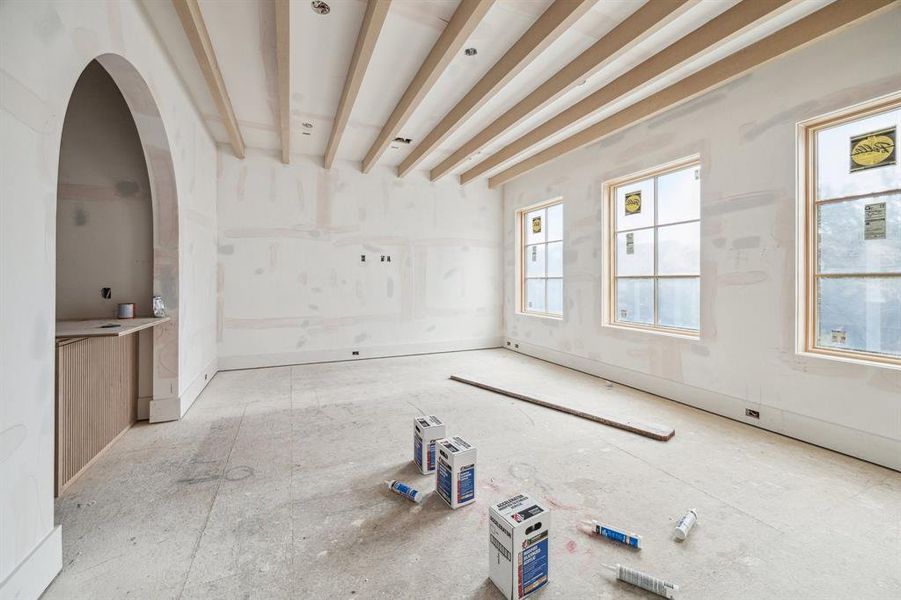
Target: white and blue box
[[519, 543], [456, 472], [426, 431]]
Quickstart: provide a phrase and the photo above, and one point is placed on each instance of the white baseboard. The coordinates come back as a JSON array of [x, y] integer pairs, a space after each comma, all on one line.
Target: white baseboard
[[173, 409], [853, 442], [200, 382], [253, 361], [29, 580]]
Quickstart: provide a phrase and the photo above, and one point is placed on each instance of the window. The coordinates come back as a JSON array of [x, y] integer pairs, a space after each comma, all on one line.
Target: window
[[851, 215], [654, 249], [541, 264]]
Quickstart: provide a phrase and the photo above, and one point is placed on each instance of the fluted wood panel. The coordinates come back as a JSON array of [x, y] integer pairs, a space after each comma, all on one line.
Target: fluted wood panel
[[96, 399]]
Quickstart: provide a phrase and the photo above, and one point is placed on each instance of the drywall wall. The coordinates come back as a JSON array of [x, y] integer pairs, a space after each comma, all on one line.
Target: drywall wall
[[745, 135], [293, 287], [44, 47]]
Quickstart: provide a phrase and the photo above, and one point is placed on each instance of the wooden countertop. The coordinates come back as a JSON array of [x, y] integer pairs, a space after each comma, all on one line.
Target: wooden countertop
[[95, 327]]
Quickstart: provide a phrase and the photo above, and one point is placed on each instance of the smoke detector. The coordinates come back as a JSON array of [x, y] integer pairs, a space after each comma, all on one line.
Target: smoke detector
[[320, 7], [470, 52]]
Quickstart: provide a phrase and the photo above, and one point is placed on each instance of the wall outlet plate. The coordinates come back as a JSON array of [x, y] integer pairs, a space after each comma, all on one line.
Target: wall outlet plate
[[754, 414]]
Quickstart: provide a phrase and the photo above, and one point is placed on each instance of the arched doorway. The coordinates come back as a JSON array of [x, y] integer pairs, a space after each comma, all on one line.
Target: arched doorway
[[116, 241]]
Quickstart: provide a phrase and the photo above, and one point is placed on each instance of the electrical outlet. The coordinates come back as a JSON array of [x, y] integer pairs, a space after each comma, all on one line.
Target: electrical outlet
[[754, 414], [106, 292], [355, 353], [362, 258]]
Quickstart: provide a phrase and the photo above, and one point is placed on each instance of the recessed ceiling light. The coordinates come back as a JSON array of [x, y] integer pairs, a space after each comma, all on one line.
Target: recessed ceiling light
[[320, 7], [583, 82], [470, 52], [402, 140], [307, 125]]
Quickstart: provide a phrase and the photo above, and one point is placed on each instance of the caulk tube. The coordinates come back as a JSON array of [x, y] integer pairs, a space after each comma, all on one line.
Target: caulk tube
[[404, 490], [633, 540], [685, 524], [644, 581]]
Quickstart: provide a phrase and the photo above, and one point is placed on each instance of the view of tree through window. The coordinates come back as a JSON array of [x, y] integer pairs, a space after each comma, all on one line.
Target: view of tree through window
[[656, 254], [857, 222], [542, 260]]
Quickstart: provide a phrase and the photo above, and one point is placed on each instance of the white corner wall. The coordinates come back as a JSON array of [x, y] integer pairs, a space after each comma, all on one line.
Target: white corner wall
[[745, 134], [44, 46], [293, 288]]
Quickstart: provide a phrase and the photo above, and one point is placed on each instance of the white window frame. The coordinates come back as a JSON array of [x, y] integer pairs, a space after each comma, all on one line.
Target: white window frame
[[520, 241], [609, 250], [806, 247]]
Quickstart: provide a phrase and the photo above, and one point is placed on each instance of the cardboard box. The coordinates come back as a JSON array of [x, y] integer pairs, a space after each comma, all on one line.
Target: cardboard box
[[456, 477], [519, 544], [426, 431]]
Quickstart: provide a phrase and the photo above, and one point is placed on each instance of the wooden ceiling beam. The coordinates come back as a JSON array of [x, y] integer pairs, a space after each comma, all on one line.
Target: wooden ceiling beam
[[640, 24], [192, 22], [467, 16], [719, 29], [545, 30], [829, 19], [376, 11], [283, 62]]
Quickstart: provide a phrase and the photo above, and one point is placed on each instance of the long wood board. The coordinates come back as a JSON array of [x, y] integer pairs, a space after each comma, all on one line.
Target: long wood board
[[650, 430]]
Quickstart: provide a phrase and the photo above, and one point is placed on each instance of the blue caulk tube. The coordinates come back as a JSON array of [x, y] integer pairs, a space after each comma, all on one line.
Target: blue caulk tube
[[644, 581], [404, 490], [633, 540]]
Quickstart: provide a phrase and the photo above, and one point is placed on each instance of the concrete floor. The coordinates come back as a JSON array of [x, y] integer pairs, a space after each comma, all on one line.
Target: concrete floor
[[272, 487]]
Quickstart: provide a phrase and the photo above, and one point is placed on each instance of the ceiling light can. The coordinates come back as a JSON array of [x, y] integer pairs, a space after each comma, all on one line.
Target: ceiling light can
[[320, 7]]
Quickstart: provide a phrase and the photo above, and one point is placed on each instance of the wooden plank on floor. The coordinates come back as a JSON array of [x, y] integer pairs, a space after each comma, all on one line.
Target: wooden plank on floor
[[651, 430]]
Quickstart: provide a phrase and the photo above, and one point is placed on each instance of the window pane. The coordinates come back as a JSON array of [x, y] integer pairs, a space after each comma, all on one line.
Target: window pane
[[535, 295], [679, 303], [861, 314], [555, 259], [555, 296], [635, 252], [641, 205], [555, 222], [535, 260], [835, 179], [854, 239], [679, 249], [635, 301], [535, 226], [679, 196]]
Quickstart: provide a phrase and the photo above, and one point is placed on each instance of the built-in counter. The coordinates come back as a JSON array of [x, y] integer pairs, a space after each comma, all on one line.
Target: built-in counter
[[96, 389]]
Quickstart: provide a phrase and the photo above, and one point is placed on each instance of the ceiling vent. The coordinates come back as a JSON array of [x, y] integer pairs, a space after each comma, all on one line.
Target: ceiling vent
[[320, 7]]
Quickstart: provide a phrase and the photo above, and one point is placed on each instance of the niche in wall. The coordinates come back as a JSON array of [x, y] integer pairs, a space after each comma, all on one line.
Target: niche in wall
[[104, 217]]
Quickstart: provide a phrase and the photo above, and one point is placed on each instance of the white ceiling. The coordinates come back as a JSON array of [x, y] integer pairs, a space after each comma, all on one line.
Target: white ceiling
[[243, 37]]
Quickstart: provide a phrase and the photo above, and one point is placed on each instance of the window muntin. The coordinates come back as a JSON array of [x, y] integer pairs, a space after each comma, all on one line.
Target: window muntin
[[853, 244], [542, 259], [656, 265]]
